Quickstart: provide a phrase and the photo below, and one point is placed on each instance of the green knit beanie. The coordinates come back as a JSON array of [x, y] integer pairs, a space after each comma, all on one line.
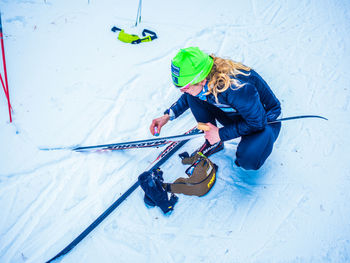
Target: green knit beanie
[[190, 66]]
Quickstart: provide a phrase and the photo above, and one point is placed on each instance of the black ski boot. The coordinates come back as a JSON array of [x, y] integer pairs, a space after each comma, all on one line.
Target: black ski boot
[[207, 149]]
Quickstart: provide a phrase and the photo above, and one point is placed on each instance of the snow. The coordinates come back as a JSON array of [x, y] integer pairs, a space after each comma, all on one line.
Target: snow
[[72, 82]]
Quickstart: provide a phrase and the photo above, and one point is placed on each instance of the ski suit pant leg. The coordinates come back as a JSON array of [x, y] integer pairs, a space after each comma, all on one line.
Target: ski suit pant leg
[[253, 149]]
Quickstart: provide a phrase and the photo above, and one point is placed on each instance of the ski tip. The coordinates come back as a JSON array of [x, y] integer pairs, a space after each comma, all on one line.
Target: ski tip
[[49, 149], [316, 116], [56, 148]]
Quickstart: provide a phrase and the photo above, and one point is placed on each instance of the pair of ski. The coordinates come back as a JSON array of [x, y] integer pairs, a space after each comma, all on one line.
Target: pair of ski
[[161, 159], [175, 143]]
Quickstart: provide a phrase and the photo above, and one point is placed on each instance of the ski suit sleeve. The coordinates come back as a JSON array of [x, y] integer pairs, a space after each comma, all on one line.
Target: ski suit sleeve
[[180, 106], [271, 104], [247, 102]]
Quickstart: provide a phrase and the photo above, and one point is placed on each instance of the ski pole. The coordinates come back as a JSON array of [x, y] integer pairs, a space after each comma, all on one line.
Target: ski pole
[[138, 16], [6, 87]]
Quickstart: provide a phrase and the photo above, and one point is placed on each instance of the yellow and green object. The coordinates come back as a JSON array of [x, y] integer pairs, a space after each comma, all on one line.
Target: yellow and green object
[[147, 36]]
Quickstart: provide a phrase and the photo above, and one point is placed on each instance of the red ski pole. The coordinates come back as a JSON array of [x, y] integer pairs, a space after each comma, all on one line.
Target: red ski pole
[[5, 85]]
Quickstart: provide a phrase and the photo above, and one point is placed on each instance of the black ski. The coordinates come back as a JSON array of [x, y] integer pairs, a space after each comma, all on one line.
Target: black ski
[[156, 142], [161, 159]]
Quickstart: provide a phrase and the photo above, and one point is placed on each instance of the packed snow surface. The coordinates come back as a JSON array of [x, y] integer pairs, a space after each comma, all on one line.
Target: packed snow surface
[[72, 82]]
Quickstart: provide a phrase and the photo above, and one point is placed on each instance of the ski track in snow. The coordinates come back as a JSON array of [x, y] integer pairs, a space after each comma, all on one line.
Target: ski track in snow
[[114, 110], [294, 209]]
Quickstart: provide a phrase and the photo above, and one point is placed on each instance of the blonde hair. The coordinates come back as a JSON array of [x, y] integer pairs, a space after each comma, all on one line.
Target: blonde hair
[[223, 75]]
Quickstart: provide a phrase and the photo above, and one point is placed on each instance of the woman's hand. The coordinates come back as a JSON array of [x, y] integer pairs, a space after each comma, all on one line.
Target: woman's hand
[[212, 134], [158, 123]]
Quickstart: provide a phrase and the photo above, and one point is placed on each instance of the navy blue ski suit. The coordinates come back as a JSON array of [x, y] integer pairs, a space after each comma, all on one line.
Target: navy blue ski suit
[[243, 112]]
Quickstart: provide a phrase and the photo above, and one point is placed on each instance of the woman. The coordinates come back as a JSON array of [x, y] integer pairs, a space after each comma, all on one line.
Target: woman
[[217, 89]]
